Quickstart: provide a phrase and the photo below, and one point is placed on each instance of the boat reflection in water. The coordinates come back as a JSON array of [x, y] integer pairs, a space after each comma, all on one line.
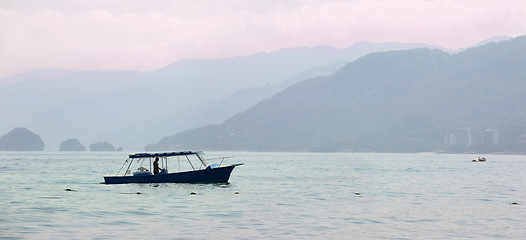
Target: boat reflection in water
[[205, 173]]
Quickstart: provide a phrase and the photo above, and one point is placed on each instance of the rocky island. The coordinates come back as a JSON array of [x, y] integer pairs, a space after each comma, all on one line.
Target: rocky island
[[72, 144], [21, 139]]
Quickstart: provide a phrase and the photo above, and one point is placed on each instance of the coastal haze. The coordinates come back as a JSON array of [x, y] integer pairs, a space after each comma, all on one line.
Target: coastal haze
[[435, 91], [136, 108], [142, 76]]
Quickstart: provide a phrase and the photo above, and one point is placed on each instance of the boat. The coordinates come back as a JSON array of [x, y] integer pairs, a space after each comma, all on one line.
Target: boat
[[145, 173], [479, 159]]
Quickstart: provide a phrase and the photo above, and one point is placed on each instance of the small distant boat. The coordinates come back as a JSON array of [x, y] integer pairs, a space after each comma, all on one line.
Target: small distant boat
[[206, 173], [480, 159]]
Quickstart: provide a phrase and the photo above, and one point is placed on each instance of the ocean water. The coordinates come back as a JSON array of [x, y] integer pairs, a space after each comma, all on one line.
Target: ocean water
[[280, 196]]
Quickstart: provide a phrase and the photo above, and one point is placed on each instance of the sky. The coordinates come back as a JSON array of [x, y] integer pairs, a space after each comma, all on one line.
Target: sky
[[148, 35]]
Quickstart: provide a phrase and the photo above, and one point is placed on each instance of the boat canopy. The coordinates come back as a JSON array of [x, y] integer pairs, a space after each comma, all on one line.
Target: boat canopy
[[165, 154]]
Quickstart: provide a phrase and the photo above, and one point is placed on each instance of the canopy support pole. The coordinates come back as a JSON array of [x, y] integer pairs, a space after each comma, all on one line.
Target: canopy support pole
[[190, 162]]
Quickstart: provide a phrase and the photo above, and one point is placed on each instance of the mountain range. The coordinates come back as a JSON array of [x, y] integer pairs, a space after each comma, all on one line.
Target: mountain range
[[131, 108], [395, 101]]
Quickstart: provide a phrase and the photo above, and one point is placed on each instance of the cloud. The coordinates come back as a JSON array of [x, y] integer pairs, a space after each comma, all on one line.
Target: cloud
[[148, 35]]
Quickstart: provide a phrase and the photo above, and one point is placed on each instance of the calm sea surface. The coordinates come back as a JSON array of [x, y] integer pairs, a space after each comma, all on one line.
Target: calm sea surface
[[281, 196]]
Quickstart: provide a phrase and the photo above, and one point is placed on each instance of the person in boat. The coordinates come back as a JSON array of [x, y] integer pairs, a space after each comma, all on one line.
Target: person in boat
[[156, 166]]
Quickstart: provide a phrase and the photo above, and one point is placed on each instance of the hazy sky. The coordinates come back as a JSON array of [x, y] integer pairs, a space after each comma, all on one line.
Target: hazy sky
[[147, 35]]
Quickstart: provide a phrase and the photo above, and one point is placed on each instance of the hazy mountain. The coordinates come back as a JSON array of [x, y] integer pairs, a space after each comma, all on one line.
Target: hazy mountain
[[94, 105], [213, 112], [489, 40], [251, 67], [397, 101]]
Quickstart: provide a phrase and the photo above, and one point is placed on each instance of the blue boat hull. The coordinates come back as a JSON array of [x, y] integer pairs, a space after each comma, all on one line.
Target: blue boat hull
[[219, 174]]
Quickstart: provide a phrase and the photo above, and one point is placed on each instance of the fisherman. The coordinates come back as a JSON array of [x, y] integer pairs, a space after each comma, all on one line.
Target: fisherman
[[156, 166]]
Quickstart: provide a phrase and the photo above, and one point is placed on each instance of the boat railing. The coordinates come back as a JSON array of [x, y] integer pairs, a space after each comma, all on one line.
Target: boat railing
[[222, 159]]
